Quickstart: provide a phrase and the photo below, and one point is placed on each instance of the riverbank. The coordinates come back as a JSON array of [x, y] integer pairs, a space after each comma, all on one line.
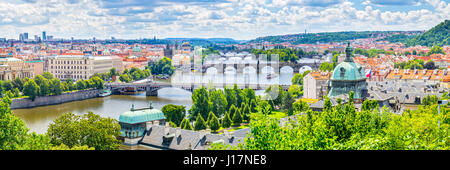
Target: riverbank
[[22, 103]]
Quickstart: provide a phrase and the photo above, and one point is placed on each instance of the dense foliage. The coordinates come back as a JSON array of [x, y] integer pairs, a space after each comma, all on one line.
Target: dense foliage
[[372, 52], [342, 127], [14, 134], [162, 66], [134, 74], [416, 64], [436, 36], [326, 37], [174, 113], [87, 129]]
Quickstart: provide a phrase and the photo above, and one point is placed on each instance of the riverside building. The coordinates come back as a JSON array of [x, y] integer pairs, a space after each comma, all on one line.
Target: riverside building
[[80, 66]]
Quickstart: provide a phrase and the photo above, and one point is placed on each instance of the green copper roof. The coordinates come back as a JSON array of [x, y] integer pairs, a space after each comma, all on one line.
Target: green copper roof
[[348, 71], [137, 49], [141, 115]]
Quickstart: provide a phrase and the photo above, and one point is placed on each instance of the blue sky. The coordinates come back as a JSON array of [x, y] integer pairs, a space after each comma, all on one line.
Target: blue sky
[[238, 19]]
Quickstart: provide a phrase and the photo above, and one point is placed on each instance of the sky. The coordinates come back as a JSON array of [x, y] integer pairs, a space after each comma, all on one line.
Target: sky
[[238, 19]]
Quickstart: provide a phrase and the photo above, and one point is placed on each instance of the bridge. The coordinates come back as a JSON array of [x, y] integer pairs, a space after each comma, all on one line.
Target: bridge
[[257, 65], [152, 87]]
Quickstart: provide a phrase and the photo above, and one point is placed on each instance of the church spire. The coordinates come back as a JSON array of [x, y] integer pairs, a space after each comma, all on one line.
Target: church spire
[[348, 53]]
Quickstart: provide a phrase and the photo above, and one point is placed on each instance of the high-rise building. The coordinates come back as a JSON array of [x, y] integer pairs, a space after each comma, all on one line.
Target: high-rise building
[[25, 36], [21, 37], [44, 36]]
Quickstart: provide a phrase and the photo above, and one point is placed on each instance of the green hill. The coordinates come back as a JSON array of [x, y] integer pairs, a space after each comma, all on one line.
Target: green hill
[[438, 35]]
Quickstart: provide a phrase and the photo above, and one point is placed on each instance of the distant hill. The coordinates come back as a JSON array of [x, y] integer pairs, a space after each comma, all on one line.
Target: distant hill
[[438, 35], [326, 37], [206, 41]]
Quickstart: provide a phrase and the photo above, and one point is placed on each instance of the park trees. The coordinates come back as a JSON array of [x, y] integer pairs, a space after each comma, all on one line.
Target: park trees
[[226, 121], [213, 122], [200, 123], [174, 113], [87, 129], [31, 89], [200, 103], [162, 66]]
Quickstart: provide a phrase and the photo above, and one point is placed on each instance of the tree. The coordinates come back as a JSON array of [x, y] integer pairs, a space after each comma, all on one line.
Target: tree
[[31, 89], [174, 113], [231, 98], [162, 66], [217, 102], [300, 106], [325, 66], [245, 111], [429, 65], [70, 84], [47, 75], [200, 103], [185, 124], [13, 130], [16, 92], [239, 95], [18, 83], [200, 123], [125, 78], [214, 123], [295, 91], [232, 110], [113, 72], [44, 87], [287, 101], [97, 82], [226, 121], [81, 85], [7, 85], [88, 129], [237, 117], [55, 86]]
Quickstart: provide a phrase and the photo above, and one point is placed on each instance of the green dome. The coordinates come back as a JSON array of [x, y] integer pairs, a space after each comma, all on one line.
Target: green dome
[[348, 71], [137, 49], [142, 115]]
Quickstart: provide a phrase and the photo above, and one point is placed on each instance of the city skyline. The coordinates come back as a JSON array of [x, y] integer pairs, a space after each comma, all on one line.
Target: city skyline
[[240, 20]]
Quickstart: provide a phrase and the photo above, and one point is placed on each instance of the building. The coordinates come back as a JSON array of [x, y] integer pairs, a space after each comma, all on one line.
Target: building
[[348, 76], [315, 85], [38, 66], [134, 123], [16, 67], [80, 66], [168, 51]]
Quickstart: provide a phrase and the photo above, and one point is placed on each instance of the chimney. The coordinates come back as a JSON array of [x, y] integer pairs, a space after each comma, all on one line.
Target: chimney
[[178, 131], [149, 125]]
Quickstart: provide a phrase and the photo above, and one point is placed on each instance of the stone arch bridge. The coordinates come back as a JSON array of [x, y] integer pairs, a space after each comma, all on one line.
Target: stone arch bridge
[[152, 88], [259, 66]]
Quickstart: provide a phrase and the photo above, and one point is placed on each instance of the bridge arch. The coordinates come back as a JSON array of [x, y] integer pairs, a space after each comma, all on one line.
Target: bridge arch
[[230, 70], [286, 69], [267, 70], [211, 70], [304, 68], [249, 70]]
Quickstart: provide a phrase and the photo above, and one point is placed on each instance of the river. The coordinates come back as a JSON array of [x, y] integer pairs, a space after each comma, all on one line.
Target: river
[[38, 118]]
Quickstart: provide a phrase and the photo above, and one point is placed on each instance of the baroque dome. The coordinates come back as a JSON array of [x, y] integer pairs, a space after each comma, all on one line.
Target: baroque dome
[[348, 71]]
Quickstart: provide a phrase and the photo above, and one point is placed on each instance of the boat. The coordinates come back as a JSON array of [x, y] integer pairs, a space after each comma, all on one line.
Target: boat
[[270, 76], [105, 93]]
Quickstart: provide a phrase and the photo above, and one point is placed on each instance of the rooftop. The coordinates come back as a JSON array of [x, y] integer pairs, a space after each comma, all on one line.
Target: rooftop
[[141, 115]]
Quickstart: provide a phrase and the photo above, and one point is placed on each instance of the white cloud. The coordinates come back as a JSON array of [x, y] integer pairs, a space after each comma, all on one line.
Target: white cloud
[[240, 19]]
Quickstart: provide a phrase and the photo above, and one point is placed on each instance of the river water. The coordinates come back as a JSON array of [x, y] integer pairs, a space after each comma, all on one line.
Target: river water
[[38, 118]]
